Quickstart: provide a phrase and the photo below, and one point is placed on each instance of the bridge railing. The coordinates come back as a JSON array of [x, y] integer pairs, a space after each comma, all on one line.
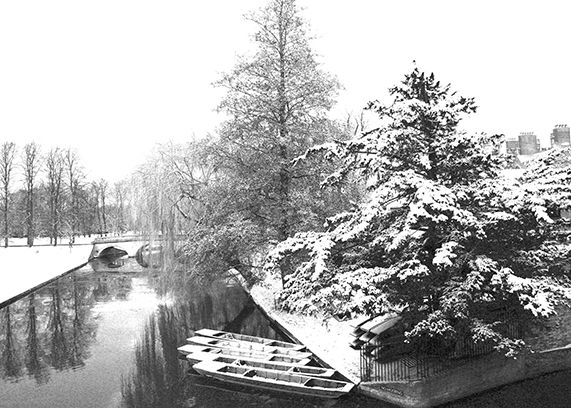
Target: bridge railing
[[130, 238]]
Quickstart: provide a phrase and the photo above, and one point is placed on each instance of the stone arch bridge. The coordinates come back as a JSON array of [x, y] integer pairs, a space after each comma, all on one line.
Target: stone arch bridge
[[128, 243]]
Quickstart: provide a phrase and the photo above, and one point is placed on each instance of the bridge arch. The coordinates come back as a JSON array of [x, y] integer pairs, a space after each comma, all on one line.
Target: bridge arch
[[149, 255], [101, 248], [112, 251]]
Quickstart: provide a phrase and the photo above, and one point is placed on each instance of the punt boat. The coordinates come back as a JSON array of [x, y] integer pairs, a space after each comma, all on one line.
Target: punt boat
[[218, 334], [194, 358], [274, 380], [189, 349], [246, 345]]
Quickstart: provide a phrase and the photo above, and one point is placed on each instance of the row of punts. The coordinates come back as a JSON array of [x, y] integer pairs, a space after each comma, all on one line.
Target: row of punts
[[261, 363]]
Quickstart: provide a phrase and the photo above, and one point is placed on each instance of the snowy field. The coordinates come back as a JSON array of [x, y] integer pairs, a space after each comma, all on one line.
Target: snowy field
[[23, 268]]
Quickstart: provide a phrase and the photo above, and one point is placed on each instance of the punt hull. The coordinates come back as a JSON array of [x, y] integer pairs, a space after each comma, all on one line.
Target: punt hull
[[218, 334], [310, 371], [193, 349], [245, 345], [274, 381]]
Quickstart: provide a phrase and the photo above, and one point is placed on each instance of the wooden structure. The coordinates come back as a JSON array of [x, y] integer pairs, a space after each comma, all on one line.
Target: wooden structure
[[262, 363], [245, 345], [274, 380], [195, 350], [217, 334]]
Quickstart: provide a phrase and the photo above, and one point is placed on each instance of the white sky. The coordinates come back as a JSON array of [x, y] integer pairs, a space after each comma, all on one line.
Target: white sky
[[113, 77]]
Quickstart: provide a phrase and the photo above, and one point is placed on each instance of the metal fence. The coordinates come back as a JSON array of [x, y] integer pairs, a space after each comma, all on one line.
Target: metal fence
[[404, 368], [410, 365]]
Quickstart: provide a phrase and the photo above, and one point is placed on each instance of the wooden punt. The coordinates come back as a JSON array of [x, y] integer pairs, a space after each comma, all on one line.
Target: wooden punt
[[246, 345], [274, 380], [188, 349], [197, 357], [218, 334]]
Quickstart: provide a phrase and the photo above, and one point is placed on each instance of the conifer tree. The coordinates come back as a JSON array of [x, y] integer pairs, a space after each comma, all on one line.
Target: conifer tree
[[441, 239]]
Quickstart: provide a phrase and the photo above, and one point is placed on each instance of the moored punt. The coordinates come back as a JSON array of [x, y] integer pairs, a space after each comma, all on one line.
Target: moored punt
[[193, 349], [310, 371], [274, 380], [217, 334], [246, 345]]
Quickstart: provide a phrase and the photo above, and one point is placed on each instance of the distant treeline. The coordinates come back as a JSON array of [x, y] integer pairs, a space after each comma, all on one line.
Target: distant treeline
[[48, 194]]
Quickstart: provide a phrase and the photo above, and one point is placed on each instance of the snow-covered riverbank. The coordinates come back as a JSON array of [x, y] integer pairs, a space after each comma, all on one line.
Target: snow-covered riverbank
[[327, 338], [23, 268]]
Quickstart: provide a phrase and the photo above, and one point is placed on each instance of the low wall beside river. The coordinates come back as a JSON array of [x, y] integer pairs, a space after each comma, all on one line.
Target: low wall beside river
[[475, 376]]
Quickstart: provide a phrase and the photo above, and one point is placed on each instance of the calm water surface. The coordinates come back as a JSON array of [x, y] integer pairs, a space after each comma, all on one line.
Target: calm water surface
[[106, 336]]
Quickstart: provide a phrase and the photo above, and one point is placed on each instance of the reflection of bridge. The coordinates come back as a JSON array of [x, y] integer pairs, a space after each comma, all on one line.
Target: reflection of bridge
[[128, 243]]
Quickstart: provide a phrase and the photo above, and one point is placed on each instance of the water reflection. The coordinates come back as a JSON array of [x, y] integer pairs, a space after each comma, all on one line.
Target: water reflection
[[34, 357], [52, 327], [116, 264], [11, 356], [98, 338], [158, 376], [107, 337]]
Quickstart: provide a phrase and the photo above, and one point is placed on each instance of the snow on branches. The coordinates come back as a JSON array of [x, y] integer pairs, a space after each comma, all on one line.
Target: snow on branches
[[441, 237]]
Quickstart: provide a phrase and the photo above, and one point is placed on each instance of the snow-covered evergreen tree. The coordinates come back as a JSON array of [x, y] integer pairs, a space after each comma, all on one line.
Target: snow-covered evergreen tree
[[442, 238]]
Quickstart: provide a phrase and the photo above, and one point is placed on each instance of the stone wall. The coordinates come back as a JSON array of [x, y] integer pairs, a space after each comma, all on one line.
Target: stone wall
[[471, 378], [553, 332]]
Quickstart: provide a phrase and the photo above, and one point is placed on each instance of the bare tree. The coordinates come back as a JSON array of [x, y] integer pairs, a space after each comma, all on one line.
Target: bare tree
[[55, 169], [73, 175], [120, 223], [31, 167], [7, 153], [276, 100], [93, 201], [103, 185]]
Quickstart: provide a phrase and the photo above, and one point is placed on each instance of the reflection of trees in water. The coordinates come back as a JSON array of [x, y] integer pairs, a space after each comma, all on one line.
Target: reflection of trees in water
[[58, 344], [11, 361], [154, 379], [55, 325], [70, 325], [34, 353], [158, 377], [83, 328], [111, 286], [220, 305]]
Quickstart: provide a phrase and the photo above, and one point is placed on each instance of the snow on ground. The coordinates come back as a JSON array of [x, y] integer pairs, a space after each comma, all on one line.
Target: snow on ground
[[23, 268], [79, 240], [325, 337]]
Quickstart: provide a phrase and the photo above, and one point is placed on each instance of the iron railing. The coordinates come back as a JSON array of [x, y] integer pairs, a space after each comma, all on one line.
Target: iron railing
[[411, 365]]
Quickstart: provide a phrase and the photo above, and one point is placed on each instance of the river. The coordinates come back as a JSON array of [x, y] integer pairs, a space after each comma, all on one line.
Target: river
[[106, 336]]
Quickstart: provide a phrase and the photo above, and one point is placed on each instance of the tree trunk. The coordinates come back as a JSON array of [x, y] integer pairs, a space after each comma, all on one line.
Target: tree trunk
[[284, 176], [30, 232], [6, 227]]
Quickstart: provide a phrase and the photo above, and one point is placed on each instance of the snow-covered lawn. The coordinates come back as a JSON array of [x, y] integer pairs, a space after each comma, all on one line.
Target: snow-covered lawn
[[22, 268], [46, 241], [325, 337]]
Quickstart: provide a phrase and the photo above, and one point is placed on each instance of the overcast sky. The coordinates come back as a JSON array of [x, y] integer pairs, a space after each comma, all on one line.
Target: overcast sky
[[113, 77]]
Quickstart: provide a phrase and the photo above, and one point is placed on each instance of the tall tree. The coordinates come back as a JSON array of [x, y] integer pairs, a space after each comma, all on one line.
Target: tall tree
[[73, 177], [55, 168], [277, 102], [7, 153], [441, 239], [31, 167], [102, 188]]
